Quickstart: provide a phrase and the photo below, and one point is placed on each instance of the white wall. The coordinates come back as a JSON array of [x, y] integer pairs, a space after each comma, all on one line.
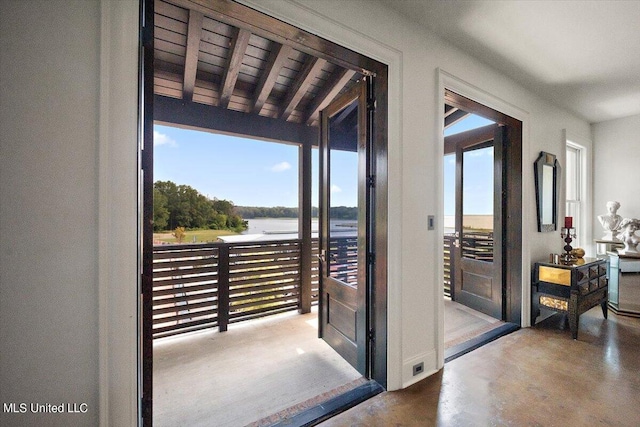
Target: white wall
[[616, 160], [49, 82]]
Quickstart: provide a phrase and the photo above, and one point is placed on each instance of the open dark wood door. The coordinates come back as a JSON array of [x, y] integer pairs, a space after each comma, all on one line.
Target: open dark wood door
[[343, 239], [479, 220], [146, 207]]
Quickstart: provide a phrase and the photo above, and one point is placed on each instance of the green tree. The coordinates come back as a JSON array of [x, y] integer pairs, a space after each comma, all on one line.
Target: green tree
[[160, 211], [184, 206]]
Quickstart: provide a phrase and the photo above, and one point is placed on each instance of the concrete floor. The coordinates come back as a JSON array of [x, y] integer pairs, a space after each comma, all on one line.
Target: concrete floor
[[462, 323], [533, 377], [238, 377]]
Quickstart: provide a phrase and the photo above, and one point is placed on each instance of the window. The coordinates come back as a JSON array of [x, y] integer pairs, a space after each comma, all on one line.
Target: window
[[576, 190]]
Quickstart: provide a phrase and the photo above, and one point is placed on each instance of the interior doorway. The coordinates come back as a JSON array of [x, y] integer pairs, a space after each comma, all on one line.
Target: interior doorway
[[224, 68], [482, 155]]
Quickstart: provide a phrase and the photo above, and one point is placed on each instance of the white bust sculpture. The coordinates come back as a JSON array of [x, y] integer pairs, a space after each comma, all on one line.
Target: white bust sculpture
[[611, 222], [628, 236]]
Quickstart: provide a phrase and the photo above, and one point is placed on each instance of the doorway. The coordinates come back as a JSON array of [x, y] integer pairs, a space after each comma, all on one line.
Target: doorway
[[225, 68], [482, 152]]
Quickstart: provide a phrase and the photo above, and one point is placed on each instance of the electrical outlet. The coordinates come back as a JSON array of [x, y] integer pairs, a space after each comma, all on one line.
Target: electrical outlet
[[418, 368]]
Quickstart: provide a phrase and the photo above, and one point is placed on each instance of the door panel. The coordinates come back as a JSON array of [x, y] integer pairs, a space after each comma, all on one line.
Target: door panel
[[343, 322], [478, 253]]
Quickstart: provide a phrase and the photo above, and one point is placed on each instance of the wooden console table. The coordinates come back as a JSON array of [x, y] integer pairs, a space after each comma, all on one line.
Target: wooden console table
[[572, 288]]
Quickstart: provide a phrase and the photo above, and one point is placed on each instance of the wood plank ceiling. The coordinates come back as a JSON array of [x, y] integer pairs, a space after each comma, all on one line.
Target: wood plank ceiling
[[204, 60]]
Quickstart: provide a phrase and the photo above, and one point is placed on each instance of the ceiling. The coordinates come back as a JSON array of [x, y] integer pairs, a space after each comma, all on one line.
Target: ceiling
[[581, 55], [216, 54]]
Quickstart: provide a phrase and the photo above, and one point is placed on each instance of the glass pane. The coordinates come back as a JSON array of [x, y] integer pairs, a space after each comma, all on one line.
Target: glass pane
[[449, 169], [573, 210], [477, 204], [571, 172], [343, 195]]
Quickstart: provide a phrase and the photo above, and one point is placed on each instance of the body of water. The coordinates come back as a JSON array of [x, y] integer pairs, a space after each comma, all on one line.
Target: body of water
[[290, 225]]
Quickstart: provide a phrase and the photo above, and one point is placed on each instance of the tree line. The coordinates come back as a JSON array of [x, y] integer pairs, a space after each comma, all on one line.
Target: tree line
[[251, 212], [183, 206]]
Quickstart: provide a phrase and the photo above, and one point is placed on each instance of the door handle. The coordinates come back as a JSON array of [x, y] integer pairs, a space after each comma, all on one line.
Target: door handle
[[321, 256]]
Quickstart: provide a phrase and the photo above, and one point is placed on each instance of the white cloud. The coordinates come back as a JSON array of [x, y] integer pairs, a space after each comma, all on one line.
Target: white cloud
[[336, 189], [162, 139], [280, 167], [481, 152]]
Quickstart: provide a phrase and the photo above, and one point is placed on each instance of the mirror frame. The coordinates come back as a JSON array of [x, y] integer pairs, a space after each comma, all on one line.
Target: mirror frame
[[547, 159]]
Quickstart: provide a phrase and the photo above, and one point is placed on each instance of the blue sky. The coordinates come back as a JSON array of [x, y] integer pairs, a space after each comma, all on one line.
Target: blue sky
[[478, 196], [245, 171], [258, 173]]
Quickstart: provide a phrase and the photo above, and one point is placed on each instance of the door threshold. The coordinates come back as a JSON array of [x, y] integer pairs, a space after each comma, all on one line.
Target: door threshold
[[332, 407], [474, 343]]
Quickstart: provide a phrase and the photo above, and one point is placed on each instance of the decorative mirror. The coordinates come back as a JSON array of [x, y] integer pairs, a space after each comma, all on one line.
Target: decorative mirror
[[547, 176]]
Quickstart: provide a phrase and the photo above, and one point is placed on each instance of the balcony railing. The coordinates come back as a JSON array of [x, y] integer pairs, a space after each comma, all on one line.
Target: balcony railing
[[197, 286], [475, 245], [207, 285]]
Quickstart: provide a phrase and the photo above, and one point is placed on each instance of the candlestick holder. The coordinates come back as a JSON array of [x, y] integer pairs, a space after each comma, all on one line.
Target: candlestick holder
[[568, 234]]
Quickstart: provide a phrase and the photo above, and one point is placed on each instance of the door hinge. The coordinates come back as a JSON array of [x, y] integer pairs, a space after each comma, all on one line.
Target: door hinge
[[371, 180], [372, 335], [371, 104]]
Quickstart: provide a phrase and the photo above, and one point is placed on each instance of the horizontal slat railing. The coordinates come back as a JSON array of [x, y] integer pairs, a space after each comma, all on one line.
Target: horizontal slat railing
[[478, 245], [343, 259], [264, 279], [206, 285], [448, 265], [475, 245], [315, 271], [185, 288]]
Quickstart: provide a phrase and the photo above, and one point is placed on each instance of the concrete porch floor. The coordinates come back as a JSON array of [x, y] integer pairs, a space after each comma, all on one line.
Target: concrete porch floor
[[255, 369]]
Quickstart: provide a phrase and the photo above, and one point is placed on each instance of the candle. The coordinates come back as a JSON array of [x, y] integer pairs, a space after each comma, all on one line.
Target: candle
[[568, 222]]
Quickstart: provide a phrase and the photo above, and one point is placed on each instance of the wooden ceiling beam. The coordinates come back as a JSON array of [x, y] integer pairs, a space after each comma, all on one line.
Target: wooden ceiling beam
[[478, 109], [448, 110], [328, 94], [338, 119], [477, 135], [193, 115], [194, 34], [312, 67], [455, 117], [237, 49], [269, 76]]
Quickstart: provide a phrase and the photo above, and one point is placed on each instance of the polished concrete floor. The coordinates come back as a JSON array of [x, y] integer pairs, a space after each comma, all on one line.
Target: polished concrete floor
[[533, 377]]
